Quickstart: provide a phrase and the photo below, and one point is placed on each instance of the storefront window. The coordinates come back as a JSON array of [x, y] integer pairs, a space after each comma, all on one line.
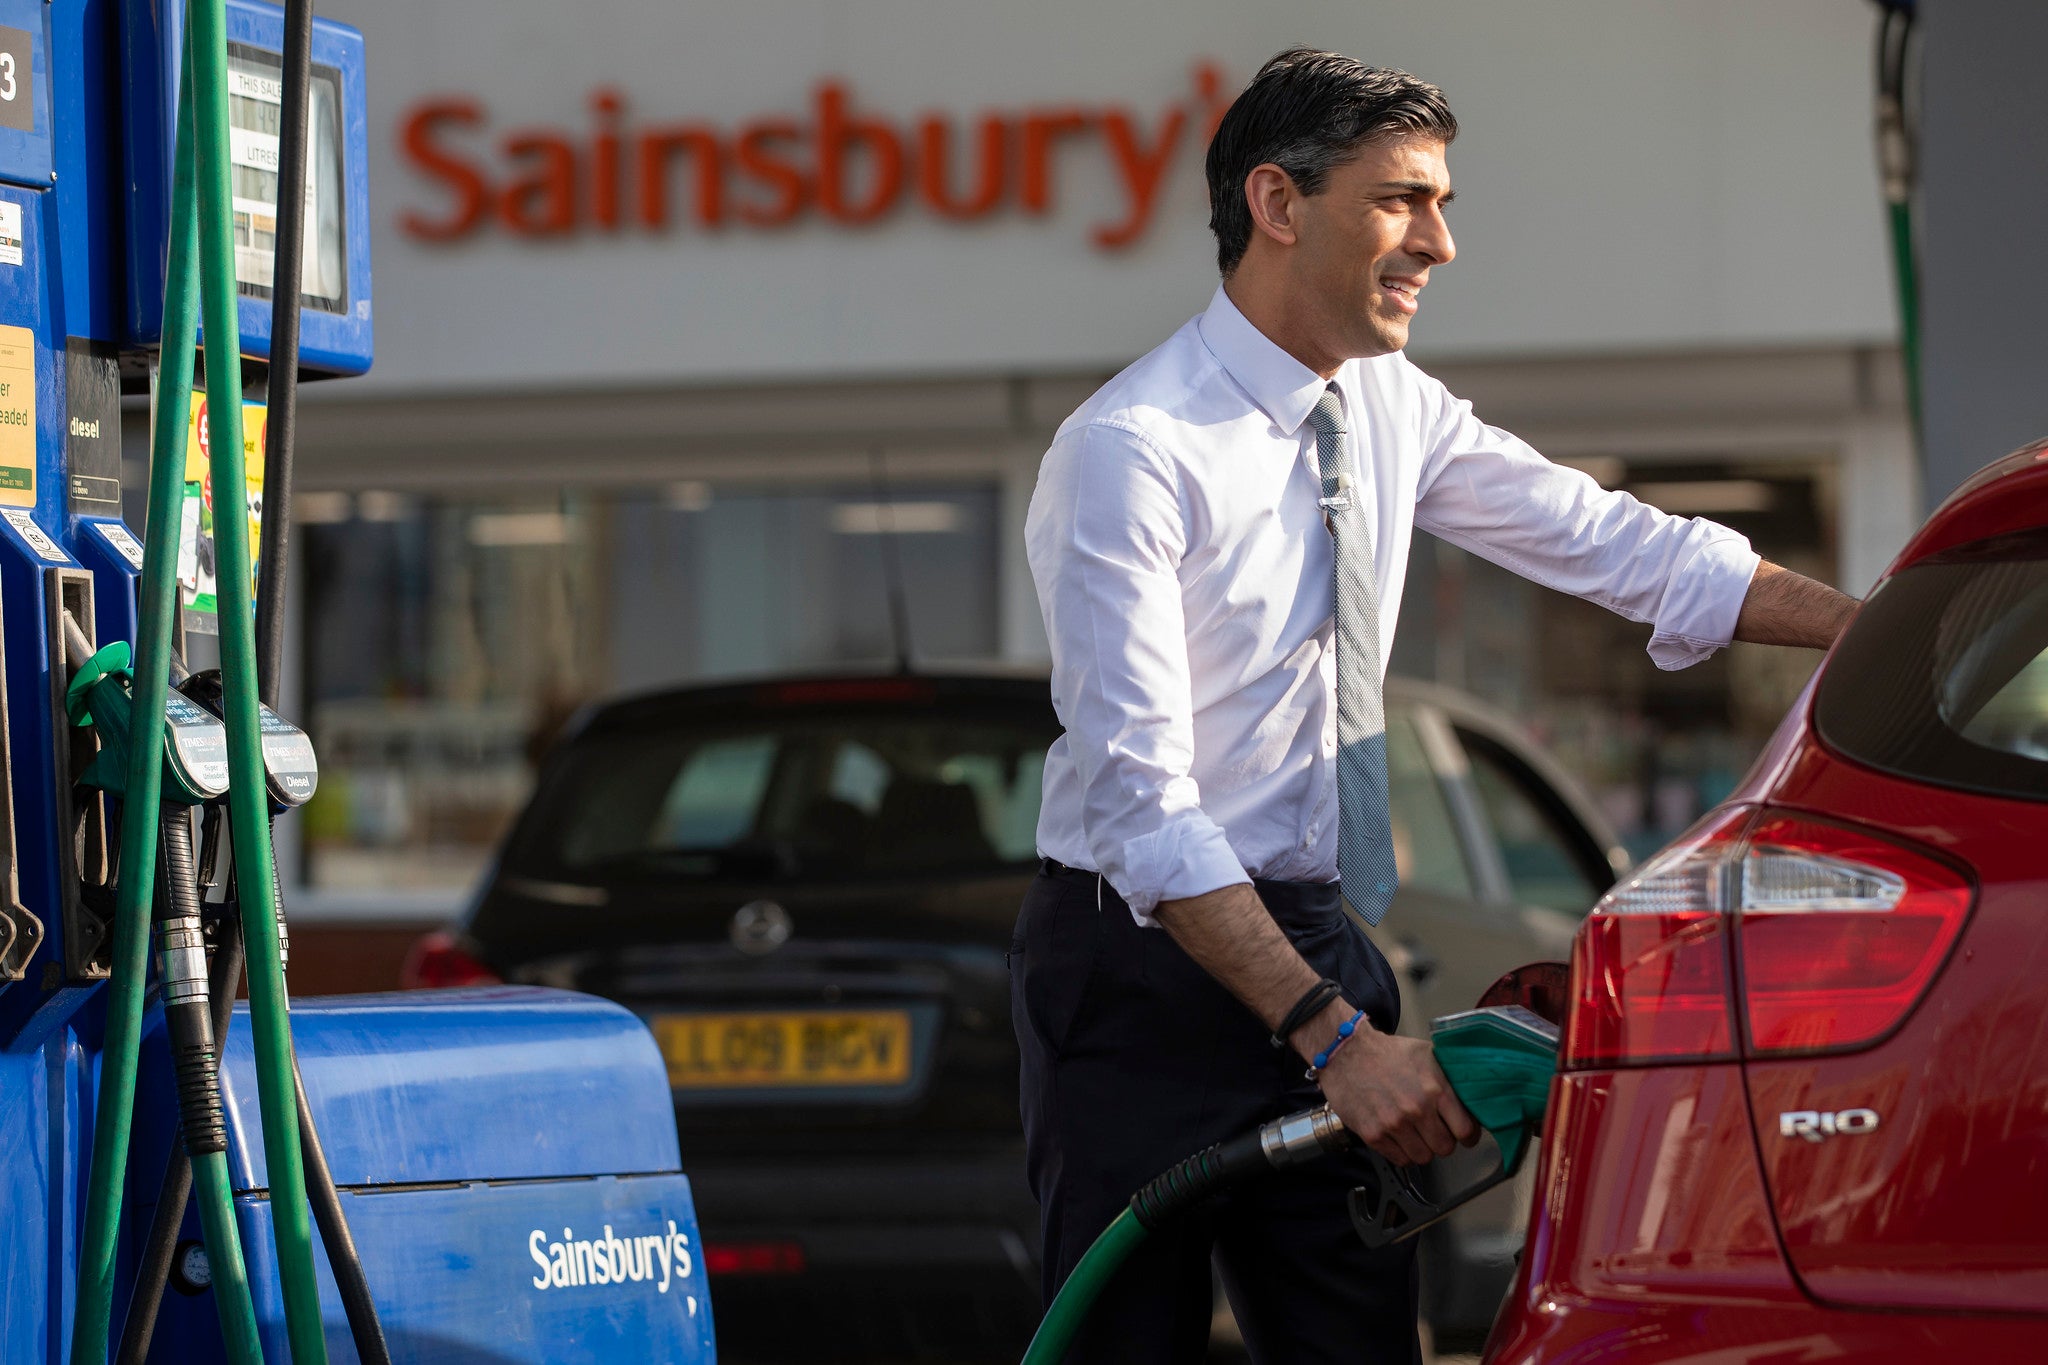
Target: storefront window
[[447, 638]]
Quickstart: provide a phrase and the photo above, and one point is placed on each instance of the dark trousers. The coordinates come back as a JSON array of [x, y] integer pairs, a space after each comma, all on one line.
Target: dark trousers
[[1134, 1057]]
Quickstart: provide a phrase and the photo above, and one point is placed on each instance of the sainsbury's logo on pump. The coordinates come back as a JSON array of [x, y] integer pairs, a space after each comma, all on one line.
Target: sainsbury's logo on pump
[[660, 1259], [837, 162]]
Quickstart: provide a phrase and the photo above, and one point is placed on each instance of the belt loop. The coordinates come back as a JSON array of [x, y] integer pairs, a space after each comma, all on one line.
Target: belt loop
[[1098, 893]]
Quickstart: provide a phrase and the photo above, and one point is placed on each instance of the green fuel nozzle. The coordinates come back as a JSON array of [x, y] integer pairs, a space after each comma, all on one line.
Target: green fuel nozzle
[[100, 694], [1499, 1061]]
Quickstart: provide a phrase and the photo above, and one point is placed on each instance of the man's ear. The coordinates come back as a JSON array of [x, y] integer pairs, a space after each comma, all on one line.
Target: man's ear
[[1275, 203]]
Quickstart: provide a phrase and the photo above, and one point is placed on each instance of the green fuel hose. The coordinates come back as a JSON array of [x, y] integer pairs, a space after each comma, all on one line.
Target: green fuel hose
[[1281, 1143], [248, 807], [1498, 1060], [156, 607], [1899, 217], [1898, 170], [1077, 1296]]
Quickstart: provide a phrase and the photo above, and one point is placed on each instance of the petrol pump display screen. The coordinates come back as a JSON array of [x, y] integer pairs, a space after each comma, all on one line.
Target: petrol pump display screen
[[255, 111], [336, 331]]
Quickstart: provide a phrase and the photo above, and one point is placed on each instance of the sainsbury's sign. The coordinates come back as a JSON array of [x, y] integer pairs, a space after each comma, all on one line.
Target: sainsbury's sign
[[835, 161]]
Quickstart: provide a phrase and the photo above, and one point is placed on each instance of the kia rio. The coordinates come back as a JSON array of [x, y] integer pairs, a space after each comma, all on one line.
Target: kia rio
[[1802, 1112]]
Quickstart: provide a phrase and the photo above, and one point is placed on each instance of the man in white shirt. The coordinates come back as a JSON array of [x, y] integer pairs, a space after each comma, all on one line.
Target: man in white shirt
[[1184, 537]]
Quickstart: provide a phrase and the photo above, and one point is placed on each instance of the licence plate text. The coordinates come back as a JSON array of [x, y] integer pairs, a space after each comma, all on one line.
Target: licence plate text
[[864, 1047]]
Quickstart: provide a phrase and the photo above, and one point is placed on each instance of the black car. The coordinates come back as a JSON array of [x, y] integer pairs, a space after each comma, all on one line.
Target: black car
[[807, 887]]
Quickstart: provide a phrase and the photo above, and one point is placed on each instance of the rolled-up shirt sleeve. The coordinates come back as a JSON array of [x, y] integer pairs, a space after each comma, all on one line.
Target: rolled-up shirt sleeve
[[1105, 536], [1491, 493]]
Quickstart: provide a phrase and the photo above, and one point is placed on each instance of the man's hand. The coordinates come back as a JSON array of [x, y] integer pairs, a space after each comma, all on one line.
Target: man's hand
[[1389, 1091], [1785, 608]]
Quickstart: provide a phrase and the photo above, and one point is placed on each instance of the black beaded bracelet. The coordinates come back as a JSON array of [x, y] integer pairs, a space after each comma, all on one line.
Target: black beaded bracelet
[[1314, 1002]]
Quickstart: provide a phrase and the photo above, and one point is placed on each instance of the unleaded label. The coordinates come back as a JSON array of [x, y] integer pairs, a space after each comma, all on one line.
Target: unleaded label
[[17, 417]]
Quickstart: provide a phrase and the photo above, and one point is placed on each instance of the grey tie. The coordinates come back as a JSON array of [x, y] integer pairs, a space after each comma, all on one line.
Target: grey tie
[[1365, 840]]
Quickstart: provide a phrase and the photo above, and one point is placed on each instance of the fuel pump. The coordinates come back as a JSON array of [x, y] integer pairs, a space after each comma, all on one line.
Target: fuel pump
[[117, 1064]]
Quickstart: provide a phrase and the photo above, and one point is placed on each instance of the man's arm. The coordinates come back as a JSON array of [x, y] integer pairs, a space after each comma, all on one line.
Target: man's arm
[[1387, 1089], [1698, 583], [1104, 537], [1785, 608]]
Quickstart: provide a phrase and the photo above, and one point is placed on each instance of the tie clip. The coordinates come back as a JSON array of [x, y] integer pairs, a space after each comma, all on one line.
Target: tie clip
[[1339, 501]]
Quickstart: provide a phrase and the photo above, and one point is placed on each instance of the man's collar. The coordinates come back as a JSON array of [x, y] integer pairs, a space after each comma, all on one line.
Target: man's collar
[[1283, 387]]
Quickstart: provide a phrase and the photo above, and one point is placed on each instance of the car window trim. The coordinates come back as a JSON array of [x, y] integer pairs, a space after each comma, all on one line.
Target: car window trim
[[1579, 842], [1446, 757]]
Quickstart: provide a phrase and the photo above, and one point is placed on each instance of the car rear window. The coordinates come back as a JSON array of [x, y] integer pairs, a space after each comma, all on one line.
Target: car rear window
[[1944, 675], [800, 796]]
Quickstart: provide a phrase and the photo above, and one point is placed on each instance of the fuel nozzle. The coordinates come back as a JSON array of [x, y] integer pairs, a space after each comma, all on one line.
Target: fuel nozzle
[[195, 773], [99, 695], [1499, 1060], [291, 771]]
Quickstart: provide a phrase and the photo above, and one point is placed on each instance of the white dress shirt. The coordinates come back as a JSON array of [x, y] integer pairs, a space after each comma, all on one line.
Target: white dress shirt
[[1185, 576]]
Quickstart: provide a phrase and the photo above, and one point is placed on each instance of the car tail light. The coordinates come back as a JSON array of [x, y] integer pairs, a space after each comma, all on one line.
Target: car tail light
[[438, 960], [753, 1258], [1650, 966], [1840, 934], [1836, 934]]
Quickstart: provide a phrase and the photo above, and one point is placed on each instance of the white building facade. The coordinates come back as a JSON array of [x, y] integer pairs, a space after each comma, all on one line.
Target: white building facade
[[678, 309]]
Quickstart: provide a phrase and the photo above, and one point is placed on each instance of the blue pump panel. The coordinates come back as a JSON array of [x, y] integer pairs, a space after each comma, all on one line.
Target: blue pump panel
[[25, 148], [492, 1083], [508, 1165], [335, 330]]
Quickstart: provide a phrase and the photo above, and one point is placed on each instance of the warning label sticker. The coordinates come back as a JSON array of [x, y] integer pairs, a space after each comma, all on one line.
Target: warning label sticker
[[17, 417], [25, 522], [123, 542], [10, 232]]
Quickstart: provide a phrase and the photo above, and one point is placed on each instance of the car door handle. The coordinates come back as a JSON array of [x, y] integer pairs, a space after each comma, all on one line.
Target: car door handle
[[1421, 964]]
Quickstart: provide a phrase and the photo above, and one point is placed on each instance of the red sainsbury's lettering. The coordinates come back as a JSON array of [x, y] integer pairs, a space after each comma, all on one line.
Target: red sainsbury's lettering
[[840, 161], [417, 137]]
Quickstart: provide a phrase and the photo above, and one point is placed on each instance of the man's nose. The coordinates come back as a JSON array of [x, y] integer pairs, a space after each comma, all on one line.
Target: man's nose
[[1429, 237]]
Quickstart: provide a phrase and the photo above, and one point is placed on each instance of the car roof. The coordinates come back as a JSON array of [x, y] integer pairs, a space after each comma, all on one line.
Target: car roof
[[782, 692], [2005, 496]]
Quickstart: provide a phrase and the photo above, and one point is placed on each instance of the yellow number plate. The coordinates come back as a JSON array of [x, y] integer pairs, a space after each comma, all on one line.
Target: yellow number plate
[[866, 1047]]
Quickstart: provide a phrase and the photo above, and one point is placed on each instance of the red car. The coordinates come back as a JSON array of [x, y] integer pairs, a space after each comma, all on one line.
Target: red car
[[1802, 1109]]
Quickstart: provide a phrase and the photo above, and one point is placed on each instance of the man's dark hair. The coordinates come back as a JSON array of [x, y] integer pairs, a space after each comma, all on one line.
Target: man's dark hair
[[1309, 112]]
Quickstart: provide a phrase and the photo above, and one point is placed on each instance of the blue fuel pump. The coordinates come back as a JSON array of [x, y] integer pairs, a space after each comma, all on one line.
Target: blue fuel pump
[[502, 1163]]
